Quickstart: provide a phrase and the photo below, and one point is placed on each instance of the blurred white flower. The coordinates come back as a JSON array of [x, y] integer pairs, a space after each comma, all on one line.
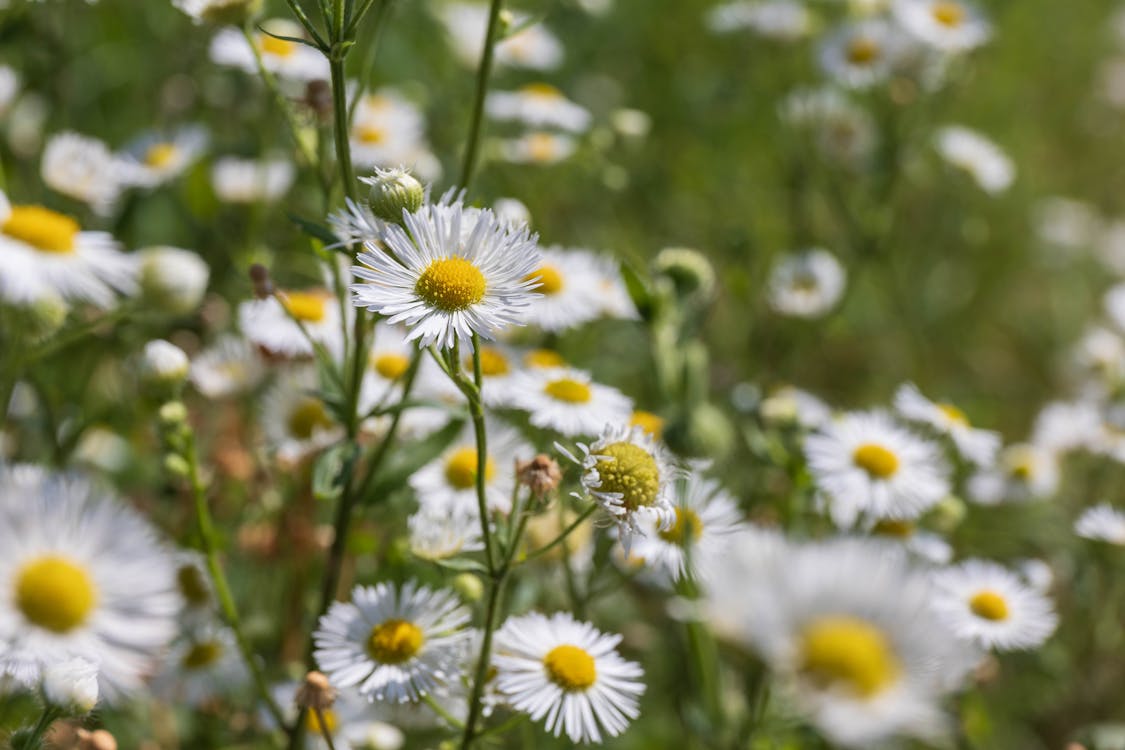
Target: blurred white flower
[[251, 181], [72, 685], [226, 368], [283, 325], [975, 445], [987, 604], [538, 105], [946, 25], [295, 420], [807, 284], [786, 20], [532, 46], [568, 401], [1025, 471], [82, 168], [174, 279], [157, 157], [982, 159], [538, 147], [285, 59], [861, 54], [9, 88], [163, 363], [388, 130]]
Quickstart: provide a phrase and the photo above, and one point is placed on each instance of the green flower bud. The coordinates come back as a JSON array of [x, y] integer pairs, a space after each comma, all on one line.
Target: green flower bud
[[689, 270], [163, 369], [392, 192], [468, 587]]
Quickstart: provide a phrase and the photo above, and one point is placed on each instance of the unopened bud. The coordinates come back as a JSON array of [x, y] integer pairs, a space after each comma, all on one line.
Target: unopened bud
[[36, 320], [690, 271], [172, 414], [315, 693], [71, 685], [392, 192], [163, 368], [176, 465], [468, 587], [542, 474], [172, 279]]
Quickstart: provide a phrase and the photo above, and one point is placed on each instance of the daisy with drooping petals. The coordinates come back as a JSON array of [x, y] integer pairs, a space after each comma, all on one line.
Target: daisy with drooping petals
[[46, 254], [156, 158], [538, 105], [568, 401], [251, 181], [80, 576], [977, 156], [862, 54], [568, 281], [446, 286], [296, 421], [946, 25], [1102, 523], [869, 466], [82, 168], [975, 445], [228, 367], [393, 644], [807, 284], [275, 323], [285, 59], [201, 667], [987, 604], [567, 673]]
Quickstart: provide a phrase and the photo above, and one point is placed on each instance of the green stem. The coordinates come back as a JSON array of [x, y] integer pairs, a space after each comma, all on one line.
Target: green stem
[[449, 718], [492, 613], [483, 72], [33, 740], [340, 123], [561, 537], [325, 732], [476, 411]]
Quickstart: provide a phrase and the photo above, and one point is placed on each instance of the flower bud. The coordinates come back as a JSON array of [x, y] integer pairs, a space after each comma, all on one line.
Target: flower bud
[[468, 587], [163, 368], [541, 474], [173, 280], [36, 320], [392, 192], [690, 271], [71, 685], [315, 692]]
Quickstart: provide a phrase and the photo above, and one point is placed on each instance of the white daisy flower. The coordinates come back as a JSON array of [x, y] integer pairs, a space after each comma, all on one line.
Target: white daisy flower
[[568, 280], [71, 684], [1025, 471], [1102, 523], [785, 20], [538, 147], [982, 159], [975, 445], [351, 721], [1037, 573], [172, 278], [869, 466], [846, 625], [789, 404], [251, 181], [807, 284], [923, 544], [81, 575], [388, 358], [272, 324], [285, 59], [532, 47], [945, 25], [156, 158], [842, 131], [388, 130], [1065, 426], [512, 211], [987, 604], [393, 644], [862, 54], [228, 367], [1100, 354], [82, 168], [439, 533], [538, 105], [47, 255], [9, 88], [567, 673], [217, 11], [568, 401], [201, 667], [1066, 223], [445, 285], [295, 420], [449, 482], [614, 300]]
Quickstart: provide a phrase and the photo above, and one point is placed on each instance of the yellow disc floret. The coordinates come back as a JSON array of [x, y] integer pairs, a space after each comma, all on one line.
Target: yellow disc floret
[[42, 228], [949, 13], [543, 358], [850, 653], [989, 605], [54, 593], [570, 667], [274, 46], [394, 641], [877, 461], [687, 528], [492, 362], [451, 284], [160, 155], [651, 423], [953, 414], [542, 90], [371, 134], [307, 307], [630, 470], [202, 654], [550, 280], [461, 468], [307, 417], [391, 365], [568, 390], [862, 51]]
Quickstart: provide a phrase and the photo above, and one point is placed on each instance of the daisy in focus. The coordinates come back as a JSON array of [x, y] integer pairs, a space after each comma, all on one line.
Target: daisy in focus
[[568, 674], [987, 604], [251, 181], [285, 59], [47, 255], [806, 284], [445, 285], [946, 25], [538, 105], [977, 156], [975, 445], [156, 158], [275, 324], [82, 168], [568, 401], [1102, 523], [393, 644]]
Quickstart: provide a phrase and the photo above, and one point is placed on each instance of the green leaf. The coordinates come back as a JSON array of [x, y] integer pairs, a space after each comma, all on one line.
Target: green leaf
[[462, 565], [412, 457], [294, 39], [638, 290], [330, 471], [318, 231]]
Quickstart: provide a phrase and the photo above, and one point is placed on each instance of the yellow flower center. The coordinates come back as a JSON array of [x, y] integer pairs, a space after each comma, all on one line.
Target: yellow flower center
[[307, 307], [805, 283], [894, 528], [312, 723], [371, 134], [492, 362], [308, 416], [989, 605], [45, 230], [949, 13], [451, 284], [630, 470], [391, 365], [543, 358], [542, 90], [54, 593], [550, 280], [461, 468], [202, 654], [848, 652], [876, 460], [687, 528], [394, 641], [274, 46], [953, 414], [160, 155], [570, 667], [568, 390], [862, 51], [649, 422], [541, 147], [192, 586]]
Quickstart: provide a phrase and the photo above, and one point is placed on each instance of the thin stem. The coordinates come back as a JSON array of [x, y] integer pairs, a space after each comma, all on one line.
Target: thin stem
[[449, 718], [492, 613], [476, 411], [340, 123], [561, 537], [325, 732], [310, 29], [483, 73], [34, 739]]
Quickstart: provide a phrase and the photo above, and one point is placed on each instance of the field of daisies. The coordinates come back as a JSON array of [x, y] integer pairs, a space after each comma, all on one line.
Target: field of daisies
[[520, 374]]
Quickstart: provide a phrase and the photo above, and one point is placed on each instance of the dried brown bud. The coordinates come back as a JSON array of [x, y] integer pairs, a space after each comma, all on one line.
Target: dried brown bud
[[541, 474], [260, 278], [99, 739], [318, 98], [316, 692]]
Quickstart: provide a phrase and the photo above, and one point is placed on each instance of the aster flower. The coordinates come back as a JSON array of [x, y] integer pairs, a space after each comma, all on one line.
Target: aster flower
[[285, 59], [272, 323], [946, 25], [568, 401], [532, 47], [568, 281], [538, 105], [251, 181], [295, 419], [806, 284], [989, 605], [156, 158], [228, 367], [82, 168], [975, 445], [976, 155], [862, 54], [388, 130], [1102, 523], [538, 147], [785, 20]]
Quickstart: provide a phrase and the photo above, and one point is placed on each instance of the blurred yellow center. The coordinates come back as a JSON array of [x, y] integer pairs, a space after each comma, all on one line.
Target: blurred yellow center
[[949, 13], [862, 51], [54, 593], [850, 653], [687, 528], [543, 358], [492, 362], [1022, 468], [894, 528], [394, 641], [307, 307], [541, 147], [42, 228], [308, 416], [202, 654], [371, 134], [953, 414], [631, 471], [570, 667], [161, 155], [542, 90], [313, 725], [461, 468], [274, 46], [571, 391], [876, 460], [989, 605], [391, 365], [192, 586], [649, 422], [451, 284], [550, 280]]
